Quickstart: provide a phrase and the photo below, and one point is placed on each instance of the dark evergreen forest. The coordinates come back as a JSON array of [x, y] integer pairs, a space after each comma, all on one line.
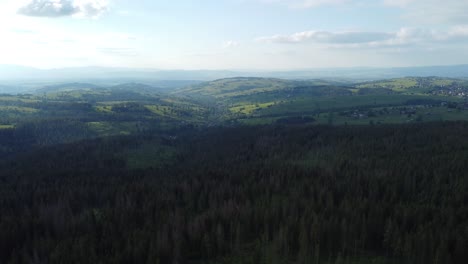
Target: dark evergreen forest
[[263, 194]]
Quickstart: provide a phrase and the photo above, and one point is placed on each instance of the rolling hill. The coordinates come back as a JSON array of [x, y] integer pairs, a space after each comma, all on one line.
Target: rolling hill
[[265, 100], [416, 84], [124, 107], [261, 89]]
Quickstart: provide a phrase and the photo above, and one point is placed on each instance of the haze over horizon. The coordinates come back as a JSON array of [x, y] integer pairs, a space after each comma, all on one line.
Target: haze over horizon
[[233, 34]]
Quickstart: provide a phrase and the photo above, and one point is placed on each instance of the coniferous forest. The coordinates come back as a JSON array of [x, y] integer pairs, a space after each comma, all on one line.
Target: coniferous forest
[[259, 194], [234, 132]]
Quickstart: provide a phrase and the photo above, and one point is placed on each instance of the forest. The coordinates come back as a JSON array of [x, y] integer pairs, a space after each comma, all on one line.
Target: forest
[[280, 193], [234, 132]]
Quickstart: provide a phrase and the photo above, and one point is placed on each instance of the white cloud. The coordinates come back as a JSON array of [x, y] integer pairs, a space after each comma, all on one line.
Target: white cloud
[[61, 8], [363, 39], [328, 37]]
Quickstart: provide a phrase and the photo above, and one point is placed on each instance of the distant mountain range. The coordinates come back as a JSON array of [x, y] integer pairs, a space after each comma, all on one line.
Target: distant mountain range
[[119, 75], [87, 87]]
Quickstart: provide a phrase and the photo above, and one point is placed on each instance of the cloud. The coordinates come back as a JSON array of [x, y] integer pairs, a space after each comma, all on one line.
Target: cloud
[[48, 8], [327, 37], [63, 8], [403, 37]]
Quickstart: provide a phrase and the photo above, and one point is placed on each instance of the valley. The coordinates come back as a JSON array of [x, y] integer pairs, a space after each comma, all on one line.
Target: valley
[[132, 107]]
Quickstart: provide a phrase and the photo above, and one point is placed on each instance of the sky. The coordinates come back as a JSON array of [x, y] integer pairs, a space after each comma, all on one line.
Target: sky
[[233, 34]]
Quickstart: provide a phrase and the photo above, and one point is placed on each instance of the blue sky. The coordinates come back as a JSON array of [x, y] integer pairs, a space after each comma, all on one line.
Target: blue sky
[[233, 34]]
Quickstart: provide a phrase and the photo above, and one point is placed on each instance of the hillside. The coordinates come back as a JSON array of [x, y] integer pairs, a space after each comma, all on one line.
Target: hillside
[[248, 86], [255, 195], [130, 108], [266, 100], [240, 88], [67, 87], [427, 85], [70, 112]]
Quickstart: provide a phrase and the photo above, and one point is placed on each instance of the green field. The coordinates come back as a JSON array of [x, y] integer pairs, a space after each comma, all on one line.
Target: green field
[[131, 109], [325, 104], [264, 101]]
